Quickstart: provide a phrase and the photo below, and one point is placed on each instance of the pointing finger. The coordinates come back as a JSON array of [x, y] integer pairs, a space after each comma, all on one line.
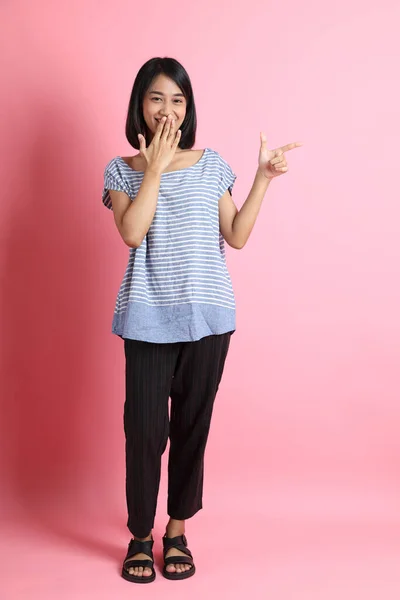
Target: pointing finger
[[291, 146]]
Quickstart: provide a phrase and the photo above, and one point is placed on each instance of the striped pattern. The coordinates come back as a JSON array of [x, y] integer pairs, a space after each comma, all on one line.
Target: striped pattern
[[179, 272]]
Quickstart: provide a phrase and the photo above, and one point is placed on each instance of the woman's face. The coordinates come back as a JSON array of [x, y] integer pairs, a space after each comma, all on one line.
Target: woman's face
[[162, 98]]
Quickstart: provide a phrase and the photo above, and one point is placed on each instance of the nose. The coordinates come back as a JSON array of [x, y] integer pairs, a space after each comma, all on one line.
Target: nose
[[167, 110]]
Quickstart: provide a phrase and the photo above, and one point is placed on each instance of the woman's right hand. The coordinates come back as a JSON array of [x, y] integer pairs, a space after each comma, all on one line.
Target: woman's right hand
[[163, 146]]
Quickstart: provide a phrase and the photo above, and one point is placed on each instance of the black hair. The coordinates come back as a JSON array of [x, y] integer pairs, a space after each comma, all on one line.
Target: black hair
[[135, 122]]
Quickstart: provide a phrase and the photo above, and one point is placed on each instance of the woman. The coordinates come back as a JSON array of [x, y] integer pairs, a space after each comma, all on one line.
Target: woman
[[175, 309]]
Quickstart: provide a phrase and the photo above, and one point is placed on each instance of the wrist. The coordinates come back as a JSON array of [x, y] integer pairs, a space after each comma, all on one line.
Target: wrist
[[262, 176], [153, 170]]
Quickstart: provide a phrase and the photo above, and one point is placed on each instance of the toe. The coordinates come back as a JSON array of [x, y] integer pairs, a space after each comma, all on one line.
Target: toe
[[147, 572], [171, 568]]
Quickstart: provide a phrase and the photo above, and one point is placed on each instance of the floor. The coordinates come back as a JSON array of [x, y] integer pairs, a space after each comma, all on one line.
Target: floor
[[308, 543]]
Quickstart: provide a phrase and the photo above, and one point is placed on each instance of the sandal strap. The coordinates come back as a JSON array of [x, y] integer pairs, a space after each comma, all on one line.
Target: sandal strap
[[137, 547], [173, 560], [132, 564], [179, 543]]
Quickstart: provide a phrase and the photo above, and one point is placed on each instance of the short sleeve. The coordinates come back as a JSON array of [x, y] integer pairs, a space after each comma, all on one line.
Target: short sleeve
[[226, 177], [113, 180]]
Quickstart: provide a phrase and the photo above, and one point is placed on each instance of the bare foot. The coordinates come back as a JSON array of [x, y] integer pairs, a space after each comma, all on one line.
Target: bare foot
[[175, 528], [139, 571]]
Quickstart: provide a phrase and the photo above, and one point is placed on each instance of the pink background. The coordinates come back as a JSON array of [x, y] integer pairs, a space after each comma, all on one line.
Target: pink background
[[302, 489]]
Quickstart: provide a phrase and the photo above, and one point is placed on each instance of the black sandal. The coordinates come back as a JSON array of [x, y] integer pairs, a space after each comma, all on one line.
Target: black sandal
[[180, 543], [136, 547]]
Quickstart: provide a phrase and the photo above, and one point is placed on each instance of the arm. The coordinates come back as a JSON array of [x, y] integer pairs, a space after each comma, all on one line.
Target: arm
[[133, 219], [235, 225]]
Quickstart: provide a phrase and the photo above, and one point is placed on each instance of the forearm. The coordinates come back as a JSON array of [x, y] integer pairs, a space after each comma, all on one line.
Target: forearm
[[140, 214], [245, 219]]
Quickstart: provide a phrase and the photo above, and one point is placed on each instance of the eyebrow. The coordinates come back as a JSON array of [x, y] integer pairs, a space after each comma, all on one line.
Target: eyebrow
[[161, 94]]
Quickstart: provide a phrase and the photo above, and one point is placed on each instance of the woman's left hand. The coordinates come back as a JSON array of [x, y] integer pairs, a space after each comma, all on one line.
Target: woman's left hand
[[272, 163]]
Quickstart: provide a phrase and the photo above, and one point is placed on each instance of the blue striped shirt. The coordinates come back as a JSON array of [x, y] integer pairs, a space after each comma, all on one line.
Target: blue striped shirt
[[176, 286]]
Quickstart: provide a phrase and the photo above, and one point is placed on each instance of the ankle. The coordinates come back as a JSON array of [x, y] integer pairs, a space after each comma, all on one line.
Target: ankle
[[175, 528], [149, 538]]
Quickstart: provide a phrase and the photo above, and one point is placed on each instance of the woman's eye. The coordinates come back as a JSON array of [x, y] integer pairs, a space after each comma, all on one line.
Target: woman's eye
[[177, 100]]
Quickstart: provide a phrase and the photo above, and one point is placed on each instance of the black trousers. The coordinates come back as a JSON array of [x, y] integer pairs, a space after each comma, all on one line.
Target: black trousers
[[189, 373]]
